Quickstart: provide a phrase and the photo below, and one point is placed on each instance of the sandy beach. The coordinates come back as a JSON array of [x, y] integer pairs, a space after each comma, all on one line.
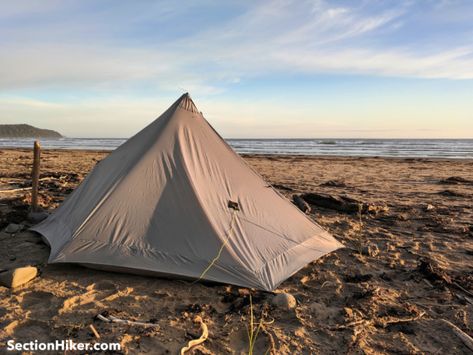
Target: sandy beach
[[405, 276]]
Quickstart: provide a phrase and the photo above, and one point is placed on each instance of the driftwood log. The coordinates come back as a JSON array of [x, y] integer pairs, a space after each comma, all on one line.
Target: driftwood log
[[333, 202], [456, 180], [301, 204], [341, 203]]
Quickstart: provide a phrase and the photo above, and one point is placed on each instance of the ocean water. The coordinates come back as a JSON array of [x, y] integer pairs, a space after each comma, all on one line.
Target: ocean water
[[412, 148]]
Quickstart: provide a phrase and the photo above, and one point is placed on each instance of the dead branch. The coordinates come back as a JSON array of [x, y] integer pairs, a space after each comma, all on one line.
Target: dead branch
[[112, 319], [462, 288], [96, 333], [384, 322], [380, 322], [16, 190]]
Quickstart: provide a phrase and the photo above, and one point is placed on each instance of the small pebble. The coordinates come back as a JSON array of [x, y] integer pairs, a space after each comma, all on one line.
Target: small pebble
[[17, 277], [13, 228], [370, 250], [284, 301]]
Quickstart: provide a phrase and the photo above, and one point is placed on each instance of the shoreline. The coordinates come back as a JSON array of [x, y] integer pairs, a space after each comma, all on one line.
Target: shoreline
[[259, 155]]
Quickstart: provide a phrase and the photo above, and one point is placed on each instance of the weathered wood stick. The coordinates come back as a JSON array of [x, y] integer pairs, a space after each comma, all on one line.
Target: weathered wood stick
[[96, 333], [35, 176], [465, 338], [468, 299], [462, 288], [112, 319], [200, 340], [17, 190]]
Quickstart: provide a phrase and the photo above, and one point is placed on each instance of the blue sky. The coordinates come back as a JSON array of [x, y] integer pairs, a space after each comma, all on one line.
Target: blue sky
[[370, 68]]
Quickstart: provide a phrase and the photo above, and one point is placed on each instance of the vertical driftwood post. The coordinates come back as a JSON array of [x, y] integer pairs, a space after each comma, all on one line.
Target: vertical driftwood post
[[35, 176]]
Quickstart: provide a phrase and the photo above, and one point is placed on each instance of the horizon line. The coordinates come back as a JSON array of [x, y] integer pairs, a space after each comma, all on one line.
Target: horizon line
[[259, 138]]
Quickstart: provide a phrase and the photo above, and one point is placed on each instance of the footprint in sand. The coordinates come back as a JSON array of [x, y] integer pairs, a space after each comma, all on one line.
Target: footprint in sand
[[40, 305], [104, 285], [151, 345], [94, 297], [238, 340], [31, 329], [78, 302]]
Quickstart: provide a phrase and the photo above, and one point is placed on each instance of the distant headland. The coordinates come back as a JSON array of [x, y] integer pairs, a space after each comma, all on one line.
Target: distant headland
[[26, 131]]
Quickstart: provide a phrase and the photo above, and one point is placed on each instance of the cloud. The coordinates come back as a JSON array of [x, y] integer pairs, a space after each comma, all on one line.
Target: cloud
[[327, 39], [38, 65], [96, 49], [455, 64], [66, 66]]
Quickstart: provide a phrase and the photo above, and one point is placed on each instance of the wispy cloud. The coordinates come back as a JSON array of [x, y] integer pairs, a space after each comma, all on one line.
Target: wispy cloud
[[264, 38], [324, 39]]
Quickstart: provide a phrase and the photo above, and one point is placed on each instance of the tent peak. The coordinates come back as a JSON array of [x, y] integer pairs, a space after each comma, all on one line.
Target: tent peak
[[185, 102]]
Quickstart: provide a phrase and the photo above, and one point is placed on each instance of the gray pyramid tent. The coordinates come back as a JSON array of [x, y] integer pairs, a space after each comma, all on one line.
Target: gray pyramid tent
[[176, 200]]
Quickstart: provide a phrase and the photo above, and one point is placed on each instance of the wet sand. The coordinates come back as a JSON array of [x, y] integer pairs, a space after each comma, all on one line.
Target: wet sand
[[407, 267]]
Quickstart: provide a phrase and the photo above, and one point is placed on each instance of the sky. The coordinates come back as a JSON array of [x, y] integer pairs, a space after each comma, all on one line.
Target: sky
[[256, 69]]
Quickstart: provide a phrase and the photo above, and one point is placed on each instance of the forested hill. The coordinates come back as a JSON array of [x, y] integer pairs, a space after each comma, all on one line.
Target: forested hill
[[26, 131]]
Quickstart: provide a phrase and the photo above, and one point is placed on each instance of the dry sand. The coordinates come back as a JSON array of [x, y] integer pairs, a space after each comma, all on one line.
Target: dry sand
[[389, 291]]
